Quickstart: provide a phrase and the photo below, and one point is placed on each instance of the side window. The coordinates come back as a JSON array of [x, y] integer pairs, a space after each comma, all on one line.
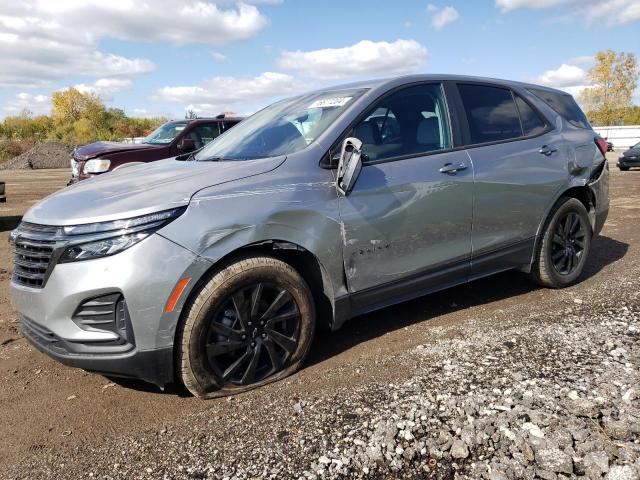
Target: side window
[[411, 121], [565, 105], [203, 134], [491, 113], [532, 124]]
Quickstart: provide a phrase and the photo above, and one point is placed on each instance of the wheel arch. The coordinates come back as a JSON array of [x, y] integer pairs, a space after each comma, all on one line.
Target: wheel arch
[[583, 194], [302, 260]]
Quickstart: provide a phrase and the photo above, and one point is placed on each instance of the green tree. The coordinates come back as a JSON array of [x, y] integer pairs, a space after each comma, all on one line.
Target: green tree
[[613, 79], [632, 117]]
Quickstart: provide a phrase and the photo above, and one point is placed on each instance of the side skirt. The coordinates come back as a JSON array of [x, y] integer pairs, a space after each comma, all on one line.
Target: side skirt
[[514, 256]]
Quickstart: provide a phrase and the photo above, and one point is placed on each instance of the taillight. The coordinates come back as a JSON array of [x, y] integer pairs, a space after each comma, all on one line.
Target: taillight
[[602, 145]]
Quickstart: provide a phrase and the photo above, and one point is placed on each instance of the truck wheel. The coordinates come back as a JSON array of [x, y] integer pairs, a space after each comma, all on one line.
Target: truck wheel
[[250, 324], [563, 250]]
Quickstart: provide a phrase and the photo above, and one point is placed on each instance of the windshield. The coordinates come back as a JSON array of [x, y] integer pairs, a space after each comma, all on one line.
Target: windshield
[[283, 128], [165, 133]]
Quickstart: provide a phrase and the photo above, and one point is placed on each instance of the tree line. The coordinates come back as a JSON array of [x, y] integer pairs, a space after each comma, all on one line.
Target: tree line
[[76, 118]]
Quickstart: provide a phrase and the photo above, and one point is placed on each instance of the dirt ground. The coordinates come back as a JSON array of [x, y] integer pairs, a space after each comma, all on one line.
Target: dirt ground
[[46, 407]]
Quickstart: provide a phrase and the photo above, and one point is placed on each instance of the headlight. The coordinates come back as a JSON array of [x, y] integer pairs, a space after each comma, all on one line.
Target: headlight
[[108, 238], [148, 221], [74, 168], [102, 248], [97, 165]]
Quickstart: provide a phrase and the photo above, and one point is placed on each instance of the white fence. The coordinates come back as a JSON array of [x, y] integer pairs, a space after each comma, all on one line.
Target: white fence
[[622, 137], [133, 140]]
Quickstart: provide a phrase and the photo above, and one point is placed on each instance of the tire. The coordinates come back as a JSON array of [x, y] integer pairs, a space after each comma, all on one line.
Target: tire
[[623, 169], [548, 269], [251, 323]]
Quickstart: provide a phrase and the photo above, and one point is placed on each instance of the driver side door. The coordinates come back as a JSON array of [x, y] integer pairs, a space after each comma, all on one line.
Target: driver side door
[[407, 221]]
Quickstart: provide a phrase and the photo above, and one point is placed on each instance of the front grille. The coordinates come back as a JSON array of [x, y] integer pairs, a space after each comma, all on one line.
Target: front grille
[[34, 249]]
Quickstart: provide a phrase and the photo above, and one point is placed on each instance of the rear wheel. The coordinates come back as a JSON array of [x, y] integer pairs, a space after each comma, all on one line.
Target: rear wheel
[[252, 323], [564, 248]]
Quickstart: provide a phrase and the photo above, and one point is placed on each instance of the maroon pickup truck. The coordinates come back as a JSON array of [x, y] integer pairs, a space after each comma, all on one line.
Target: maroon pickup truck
[[169, 140]]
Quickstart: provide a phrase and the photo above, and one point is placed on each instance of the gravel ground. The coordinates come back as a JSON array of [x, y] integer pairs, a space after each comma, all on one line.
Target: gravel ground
[[546, 396], [496, 380], [42, 155]]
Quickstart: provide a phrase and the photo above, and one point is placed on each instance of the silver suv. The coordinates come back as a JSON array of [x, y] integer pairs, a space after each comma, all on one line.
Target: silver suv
[[216, 267]]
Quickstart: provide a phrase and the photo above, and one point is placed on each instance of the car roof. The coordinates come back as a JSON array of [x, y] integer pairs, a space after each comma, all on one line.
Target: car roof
[[206, 119], [407, 79]]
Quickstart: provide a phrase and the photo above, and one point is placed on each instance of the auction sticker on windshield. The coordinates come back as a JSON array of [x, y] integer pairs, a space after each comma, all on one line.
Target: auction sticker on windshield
[[330, 102]]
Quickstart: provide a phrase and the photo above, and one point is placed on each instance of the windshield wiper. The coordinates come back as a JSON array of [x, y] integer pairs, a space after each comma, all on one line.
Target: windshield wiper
[[186, 157]]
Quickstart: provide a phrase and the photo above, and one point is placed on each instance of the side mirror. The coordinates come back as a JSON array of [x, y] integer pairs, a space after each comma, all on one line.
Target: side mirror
[[349, 165], [187, 145]]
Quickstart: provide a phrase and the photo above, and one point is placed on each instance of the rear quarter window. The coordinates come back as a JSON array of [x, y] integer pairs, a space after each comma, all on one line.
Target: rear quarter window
[[491, 113], [532, 124], [563, 104]]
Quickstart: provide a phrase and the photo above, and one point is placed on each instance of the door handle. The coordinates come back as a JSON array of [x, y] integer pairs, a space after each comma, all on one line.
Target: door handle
[[452, 169], [546, 150]]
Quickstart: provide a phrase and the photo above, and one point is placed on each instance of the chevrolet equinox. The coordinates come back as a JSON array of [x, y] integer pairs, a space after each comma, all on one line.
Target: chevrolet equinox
[[216, 267]]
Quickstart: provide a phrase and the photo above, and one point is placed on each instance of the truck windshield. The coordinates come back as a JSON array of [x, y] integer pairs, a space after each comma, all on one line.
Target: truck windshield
[[283, 128], [165, 133]]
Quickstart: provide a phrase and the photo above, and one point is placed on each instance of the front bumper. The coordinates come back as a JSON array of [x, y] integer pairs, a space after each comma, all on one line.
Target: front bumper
[[629, 161], [154, 366], [145, 275]]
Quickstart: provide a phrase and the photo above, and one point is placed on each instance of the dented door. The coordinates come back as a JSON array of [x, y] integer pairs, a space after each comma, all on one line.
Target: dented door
[[407, 224]]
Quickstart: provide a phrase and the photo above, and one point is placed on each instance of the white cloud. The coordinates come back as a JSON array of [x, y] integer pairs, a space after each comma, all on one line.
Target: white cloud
[[441, 16], [218, 56], [563, 76], [365, 58], [570, 78], [607, 12], [175, 21], [37, 104], [42, 41], [104, 87], [220, 94]]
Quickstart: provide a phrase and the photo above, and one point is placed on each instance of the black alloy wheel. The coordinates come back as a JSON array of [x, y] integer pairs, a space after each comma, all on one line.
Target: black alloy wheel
[[568, 243], [252, 335], [248, 324], [563, 249]]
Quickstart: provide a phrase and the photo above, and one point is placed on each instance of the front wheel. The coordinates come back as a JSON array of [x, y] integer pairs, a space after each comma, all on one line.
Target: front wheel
[[623, 169], [252, 323], [563, 250]]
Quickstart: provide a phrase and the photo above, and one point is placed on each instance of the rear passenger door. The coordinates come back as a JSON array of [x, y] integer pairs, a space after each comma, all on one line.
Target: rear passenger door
[[519, 164], [407, 221]]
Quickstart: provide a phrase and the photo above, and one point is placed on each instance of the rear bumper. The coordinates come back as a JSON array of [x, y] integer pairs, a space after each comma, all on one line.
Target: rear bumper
[[154, 366], [600, 189]]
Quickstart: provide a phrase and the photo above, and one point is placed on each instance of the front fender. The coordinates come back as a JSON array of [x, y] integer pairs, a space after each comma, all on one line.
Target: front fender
[[226, 218]]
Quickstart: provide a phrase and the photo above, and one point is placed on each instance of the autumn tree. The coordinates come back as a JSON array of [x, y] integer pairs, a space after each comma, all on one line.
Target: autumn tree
[[613, 79], [632, 117]]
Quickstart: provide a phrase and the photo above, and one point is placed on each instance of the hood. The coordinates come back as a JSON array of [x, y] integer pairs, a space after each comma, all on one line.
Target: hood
[[140, 190], [632, 152], [97, 149]]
